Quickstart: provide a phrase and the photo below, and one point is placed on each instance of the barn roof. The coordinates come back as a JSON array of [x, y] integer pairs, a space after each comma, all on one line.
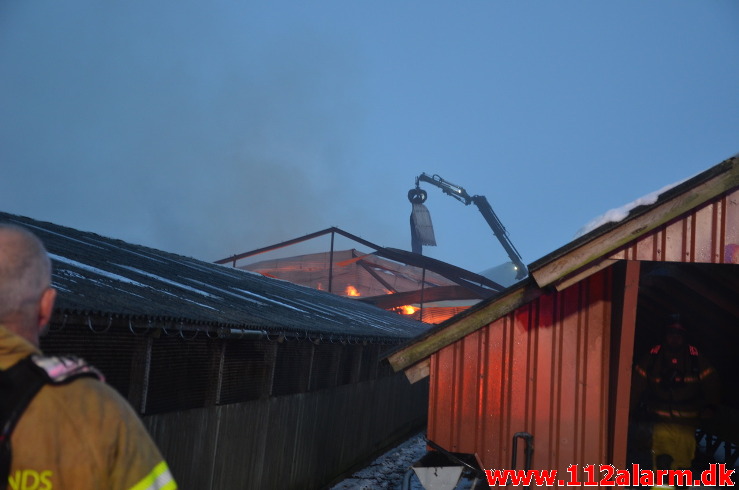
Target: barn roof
[[631, 238], [104, 278], [480, 285], [389, 278]]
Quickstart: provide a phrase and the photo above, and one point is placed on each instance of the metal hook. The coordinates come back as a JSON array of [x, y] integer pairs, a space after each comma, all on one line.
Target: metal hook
[[164, 329], [64, 323], [132, 330], [182, 335], [89, 324]]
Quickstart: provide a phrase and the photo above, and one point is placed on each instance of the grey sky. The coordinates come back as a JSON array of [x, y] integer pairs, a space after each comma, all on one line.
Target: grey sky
[[211, 129]]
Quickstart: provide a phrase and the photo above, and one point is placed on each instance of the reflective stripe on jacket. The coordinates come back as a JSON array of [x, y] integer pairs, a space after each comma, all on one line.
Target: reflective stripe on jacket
[[159, 479]]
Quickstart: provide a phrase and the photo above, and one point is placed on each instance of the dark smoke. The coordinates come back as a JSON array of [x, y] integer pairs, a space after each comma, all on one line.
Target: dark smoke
[[178, 125]]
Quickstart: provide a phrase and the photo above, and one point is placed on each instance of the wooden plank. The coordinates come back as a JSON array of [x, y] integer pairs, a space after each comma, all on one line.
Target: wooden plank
[[296, 441], [418, 371], [624, 340], [140, 369], [583, 274], [467, 324], [429, 295], [631, 229]]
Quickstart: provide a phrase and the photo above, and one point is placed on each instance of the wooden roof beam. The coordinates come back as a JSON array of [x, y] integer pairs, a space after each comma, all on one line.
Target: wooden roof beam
[[465, 323]]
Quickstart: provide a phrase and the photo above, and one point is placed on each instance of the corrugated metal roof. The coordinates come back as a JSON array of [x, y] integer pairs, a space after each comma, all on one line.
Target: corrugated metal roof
[[481, 285], [105, 277]]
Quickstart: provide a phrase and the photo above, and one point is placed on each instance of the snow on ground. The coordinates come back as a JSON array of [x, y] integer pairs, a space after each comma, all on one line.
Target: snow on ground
[[388, 471]]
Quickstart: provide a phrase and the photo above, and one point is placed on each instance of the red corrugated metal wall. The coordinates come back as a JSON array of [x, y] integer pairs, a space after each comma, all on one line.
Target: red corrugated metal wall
[[542, 369], [709, 234]]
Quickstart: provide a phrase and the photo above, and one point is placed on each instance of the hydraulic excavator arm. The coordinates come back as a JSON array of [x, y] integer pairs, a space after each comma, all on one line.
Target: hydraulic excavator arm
[[418, 196]]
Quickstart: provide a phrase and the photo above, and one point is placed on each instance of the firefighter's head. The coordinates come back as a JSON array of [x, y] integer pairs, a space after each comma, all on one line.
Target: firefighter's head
[[675, 335], [26, 295]]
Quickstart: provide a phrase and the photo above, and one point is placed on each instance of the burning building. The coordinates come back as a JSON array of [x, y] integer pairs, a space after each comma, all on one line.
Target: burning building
[[404, 282]]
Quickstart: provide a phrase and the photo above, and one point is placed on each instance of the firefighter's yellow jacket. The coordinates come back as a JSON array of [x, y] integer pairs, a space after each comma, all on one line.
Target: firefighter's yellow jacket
[[80, 435]]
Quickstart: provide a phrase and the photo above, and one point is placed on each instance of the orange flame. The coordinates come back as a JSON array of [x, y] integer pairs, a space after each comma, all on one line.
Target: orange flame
[[351, 291], [406, 309]]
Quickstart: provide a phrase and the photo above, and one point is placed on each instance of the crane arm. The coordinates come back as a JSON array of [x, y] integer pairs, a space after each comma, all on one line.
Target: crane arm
[[461, 195], [446, 187], [500, 232]]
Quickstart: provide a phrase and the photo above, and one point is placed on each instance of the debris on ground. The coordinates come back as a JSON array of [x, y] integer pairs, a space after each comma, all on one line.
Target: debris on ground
[[388, 470]]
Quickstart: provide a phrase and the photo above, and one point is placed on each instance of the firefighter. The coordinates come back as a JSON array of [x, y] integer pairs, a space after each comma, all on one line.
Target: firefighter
[[679, 388], [76, 432]]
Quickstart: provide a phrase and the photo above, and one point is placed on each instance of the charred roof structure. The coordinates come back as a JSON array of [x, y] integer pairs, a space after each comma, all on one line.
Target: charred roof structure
[[551, 357], [408, 283]]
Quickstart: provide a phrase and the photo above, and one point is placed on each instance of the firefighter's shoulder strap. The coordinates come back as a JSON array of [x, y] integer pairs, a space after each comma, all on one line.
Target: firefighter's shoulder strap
[[693, 358], [19, 385]]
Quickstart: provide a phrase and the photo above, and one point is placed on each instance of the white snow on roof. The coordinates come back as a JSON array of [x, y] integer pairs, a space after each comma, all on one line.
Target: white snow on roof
[[618, 214], [269, 300], [46, 230], [95, 270], [167, 281], [127, 250], [229, 293]]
